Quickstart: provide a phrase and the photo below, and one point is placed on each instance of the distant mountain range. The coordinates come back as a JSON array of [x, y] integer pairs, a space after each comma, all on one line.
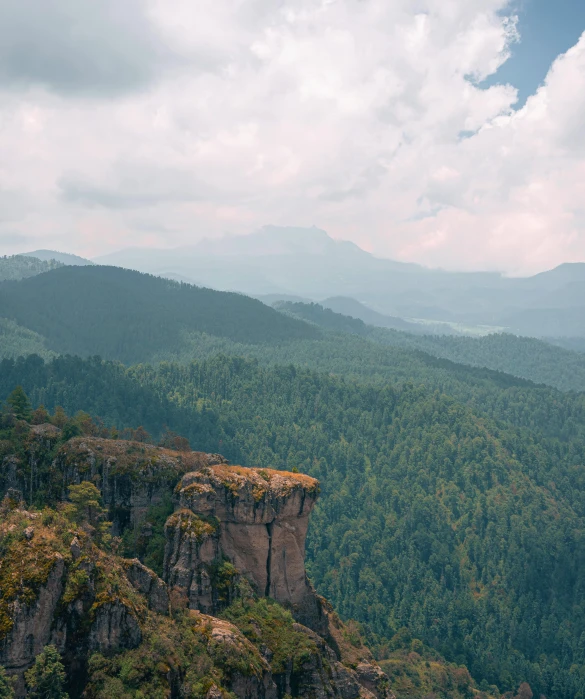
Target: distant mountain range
[[307, 264], [350, 307], [134, 317]]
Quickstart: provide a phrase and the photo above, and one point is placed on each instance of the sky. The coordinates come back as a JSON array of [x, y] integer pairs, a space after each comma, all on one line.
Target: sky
[[444, 132]]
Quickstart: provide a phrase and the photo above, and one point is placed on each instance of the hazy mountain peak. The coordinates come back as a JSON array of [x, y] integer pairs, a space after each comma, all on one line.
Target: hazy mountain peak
[[65, 258], [272, 240]]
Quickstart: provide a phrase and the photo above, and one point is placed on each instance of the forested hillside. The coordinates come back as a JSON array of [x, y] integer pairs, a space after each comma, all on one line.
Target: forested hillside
[[125, 315], [16, 341], [23, 266], [459, 521], [453, 485], [525, 357], [131, 317]]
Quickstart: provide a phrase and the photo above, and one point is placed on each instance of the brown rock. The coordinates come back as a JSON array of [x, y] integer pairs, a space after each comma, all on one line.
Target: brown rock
[[149, 584], [75, 548], [114, 628], [374, 680], [227, 643], [262, 518], [132, 476], [32, 626]]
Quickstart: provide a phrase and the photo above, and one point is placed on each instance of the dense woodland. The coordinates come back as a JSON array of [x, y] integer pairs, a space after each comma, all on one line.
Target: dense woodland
[[128, 316], [22, 266], [131, 317], [452, 469], [562, 365], [442, 518]]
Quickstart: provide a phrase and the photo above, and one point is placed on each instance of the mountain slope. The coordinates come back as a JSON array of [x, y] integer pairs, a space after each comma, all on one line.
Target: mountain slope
[[22, 266], [133, 317], [125, 315], [65, 258], [350, 307], [524, 357], [308, 263], [436, 521], [16, 341]]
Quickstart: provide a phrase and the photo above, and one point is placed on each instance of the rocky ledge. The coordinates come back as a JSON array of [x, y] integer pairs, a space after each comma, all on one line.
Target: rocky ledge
[[234, 613]]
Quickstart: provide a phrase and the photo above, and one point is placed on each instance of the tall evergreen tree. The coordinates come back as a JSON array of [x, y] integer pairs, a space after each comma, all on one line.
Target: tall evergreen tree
[[46, 677], [20, 404]]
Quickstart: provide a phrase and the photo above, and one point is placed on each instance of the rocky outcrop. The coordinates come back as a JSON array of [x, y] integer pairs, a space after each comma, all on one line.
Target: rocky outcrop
[[24, 473], [226, 641], [132, 476], [60, 589], [232, 521], [32, 624], [322, 675], [237, 535], [148, 584], [114, 628], [254, 518]]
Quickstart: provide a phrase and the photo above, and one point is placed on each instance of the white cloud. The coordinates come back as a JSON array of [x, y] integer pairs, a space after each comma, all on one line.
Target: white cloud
[[361, 116]]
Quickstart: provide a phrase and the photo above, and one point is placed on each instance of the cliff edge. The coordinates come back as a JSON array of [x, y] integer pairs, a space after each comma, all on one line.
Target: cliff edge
[[233, 614]]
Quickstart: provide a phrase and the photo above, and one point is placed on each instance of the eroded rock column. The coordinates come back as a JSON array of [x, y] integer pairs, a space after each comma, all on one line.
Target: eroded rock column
[[256, 519]]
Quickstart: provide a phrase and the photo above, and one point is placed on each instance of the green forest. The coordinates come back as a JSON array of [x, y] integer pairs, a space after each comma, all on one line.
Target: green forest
[[128, 316], [457, 520], [22, 266], [452, 469], [560, 364], [131, 317]]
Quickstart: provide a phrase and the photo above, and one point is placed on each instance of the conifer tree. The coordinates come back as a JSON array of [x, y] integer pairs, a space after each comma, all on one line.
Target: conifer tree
[[20, 404], [46, 677], [40, 415]]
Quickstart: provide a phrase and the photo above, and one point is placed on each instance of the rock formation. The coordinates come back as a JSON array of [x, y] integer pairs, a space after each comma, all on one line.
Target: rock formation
[[131, 475], [254, 518], [234, 543]]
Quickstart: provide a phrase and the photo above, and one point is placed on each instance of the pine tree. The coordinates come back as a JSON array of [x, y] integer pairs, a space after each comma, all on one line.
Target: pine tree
[[20, 404], [59, 418], [86, 510], [46, 677]]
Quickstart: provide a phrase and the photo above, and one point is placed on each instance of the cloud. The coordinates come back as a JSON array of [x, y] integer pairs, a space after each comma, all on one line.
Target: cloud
[[89, 47], [366, 118], [136, 186], [12, 239], [514, 190]]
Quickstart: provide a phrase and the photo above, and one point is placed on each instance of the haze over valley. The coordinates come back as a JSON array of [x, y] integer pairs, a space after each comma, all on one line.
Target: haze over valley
[[292, 349]]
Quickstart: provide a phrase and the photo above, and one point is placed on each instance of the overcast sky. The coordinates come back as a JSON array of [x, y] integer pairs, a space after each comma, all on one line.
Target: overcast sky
[[432, 131]]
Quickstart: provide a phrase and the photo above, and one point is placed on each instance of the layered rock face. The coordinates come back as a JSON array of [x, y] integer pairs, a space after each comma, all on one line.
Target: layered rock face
[[73, 596], [232, 521], [256, 519], [131, 475]]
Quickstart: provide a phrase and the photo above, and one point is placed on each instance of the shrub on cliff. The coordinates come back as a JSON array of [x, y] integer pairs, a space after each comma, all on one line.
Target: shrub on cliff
[[86, 510], [6, 685]]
